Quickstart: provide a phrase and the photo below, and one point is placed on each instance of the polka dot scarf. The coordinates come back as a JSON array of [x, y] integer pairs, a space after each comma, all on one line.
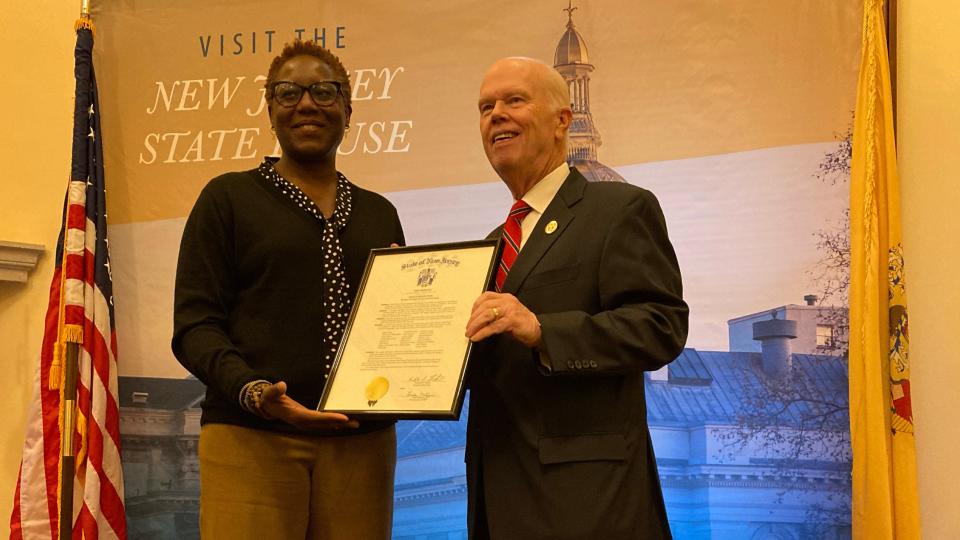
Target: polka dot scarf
[[336, 301]]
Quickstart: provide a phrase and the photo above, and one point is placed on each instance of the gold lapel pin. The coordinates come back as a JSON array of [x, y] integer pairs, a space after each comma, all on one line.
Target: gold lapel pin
[[552, 226]]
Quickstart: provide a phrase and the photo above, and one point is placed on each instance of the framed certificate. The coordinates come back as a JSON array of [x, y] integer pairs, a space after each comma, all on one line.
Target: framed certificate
[[403, 353]]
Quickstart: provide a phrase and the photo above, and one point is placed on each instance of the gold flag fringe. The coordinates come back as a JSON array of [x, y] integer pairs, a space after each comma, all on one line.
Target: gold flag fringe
[[85, 22]]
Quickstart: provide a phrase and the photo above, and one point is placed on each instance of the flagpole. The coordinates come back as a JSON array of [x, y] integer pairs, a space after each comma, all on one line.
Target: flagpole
[[67, 457], [69, 402]]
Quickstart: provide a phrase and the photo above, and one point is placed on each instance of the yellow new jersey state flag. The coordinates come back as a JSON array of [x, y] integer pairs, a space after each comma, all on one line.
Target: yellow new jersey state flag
[[885, 503]]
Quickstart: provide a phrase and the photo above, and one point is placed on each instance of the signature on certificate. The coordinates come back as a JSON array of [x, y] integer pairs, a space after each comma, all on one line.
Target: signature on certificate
[[418, 395], [427, 380]]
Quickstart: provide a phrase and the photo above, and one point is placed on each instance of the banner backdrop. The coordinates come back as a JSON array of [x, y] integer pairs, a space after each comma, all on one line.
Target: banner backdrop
[[733, 113]]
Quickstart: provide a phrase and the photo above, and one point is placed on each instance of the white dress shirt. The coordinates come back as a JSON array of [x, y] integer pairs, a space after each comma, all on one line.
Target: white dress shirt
[[539, 198]]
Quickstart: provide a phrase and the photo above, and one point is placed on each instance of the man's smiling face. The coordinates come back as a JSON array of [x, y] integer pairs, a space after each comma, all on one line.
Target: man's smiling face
[[522, 127]]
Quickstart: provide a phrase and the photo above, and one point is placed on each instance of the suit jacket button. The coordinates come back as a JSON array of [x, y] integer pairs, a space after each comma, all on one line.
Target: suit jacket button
[[593, 363], [578, 364], [570, 364]]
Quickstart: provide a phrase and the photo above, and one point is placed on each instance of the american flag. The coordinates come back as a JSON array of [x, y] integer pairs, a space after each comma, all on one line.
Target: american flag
[[80, 311]]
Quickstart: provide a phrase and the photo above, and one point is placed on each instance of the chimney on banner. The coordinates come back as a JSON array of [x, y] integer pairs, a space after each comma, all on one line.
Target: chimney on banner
[[774, 336]]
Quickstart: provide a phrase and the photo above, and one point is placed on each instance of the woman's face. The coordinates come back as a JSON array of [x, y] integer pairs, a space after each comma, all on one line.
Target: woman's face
[[308, 132]]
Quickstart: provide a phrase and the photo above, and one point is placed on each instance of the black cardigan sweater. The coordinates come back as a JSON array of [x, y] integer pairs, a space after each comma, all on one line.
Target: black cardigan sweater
[[249, 290]]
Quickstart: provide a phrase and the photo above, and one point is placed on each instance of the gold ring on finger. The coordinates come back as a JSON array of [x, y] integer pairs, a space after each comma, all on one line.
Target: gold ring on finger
[[496, 313]]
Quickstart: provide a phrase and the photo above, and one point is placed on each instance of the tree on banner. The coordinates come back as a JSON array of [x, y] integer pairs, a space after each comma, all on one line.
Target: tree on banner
[[885, 501], [71, 480]]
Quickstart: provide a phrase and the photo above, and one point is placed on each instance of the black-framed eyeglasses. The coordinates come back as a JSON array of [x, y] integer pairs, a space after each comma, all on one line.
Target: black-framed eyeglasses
[[323, 93]]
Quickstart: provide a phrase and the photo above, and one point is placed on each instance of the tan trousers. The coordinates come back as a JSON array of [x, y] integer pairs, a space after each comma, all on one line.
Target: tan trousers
[[264, 485]]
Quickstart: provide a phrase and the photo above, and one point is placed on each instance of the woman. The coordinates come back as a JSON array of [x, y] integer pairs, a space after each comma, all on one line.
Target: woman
[[270, 262]]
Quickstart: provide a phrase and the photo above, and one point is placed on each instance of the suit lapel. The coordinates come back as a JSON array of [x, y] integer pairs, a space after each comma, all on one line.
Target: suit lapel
[[559, 210]]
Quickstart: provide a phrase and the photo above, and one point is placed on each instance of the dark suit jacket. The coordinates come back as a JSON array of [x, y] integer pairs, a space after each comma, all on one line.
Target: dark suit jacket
[[557, 437]]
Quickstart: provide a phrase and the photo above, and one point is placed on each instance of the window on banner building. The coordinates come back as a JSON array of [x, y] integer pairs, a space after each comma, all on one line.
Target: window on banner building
[[825, 336]]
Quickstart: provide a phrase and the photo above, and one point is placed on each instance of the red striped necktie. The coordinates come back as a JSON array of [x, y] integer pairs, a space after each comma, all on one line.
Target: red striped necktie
[[511, 240]]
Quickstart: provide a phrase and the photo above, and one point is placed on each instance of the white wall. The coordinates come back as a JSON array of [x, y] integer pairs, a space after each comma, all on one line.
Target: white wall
[[928, 110], [36, 52]]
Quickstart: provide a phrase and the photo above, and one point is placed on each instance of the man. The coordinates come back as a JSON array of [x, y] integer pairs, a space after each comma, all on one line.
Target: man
[[589, 298]]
